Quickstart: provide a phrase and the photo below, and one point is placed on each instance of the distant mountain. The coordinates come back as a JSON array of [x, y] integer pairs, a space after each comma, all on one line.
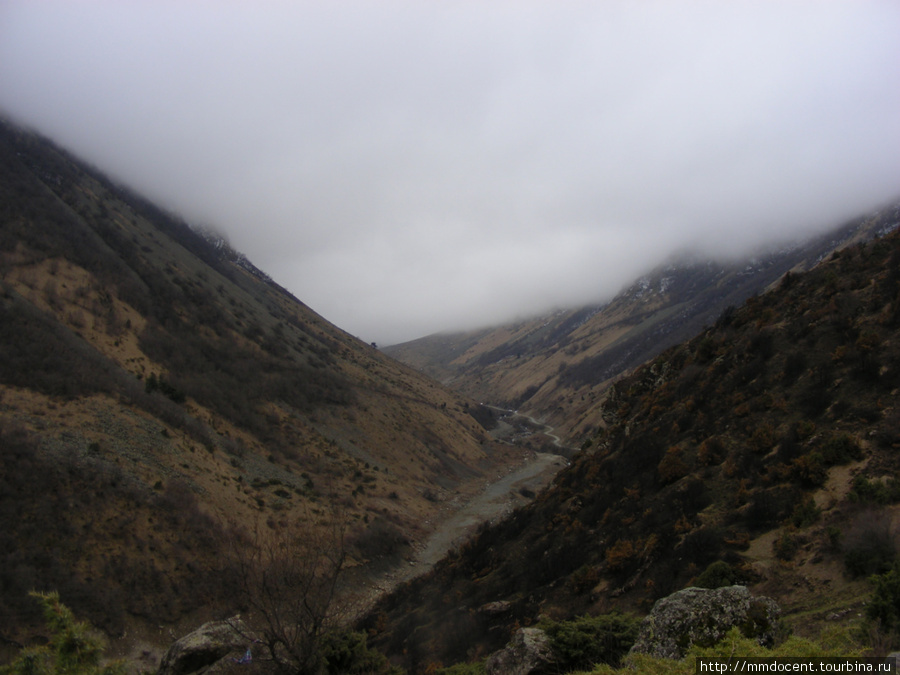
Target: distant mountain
[[557, 366], [762, 451], [157, 390]]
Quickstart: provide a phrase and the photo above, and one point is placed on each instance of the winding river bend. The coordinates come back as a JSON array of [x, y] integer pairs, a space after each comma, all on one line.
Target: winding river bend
[[544, 429]]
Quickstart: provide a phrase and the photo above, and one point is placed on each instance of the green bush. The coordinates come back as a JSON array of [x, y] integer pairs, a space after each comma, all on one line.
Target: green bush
[[838, 644], [875, 491], [587, 641], [73, 649], [840, 449], [857, 563], [476, 668], [805, 513], [161, 384], [885, 604], [871, 550], [810, 470], [719, 574], [786, 546], [346, 653]]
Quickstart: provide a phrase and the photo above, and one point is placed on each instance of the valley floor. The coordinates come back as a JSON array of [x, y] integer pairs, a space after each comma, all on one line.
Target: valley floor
[[498, 499]]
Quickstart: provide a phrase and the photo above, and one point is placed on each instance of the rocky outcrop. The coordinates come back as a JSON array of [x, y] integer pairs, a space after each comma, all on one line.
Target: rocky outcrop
[[207, 645], [495, 608], [702, 616], [528, 653]]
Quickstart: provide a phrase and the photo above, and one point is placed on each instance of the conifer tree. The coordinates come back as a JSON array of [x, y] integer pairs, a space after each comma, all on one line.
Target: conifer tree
[[74, 648]]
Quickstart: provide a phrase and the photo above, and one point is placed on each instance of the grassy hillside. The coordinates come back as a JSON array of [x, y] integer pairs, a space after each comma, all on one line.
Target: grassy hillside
[[765, 446], [156, 389]]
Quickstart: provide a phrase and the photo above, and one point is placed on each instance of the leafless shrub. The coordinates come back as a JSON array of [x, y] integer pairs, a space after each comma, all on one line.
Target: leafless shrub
[[379, 540], [289, 583]]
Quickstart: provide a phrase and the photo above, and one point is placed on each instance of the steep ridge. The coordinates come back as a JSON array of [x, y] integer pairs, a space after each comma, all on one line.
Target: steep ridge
[[765, 444], [557, 366], [158, 390]]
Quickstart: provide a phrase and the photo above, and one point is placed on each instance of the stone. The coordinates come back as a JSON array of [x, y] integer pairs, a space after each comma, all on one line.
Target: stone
[[495, 608], [896, 657], [207, 645], [703, 616], [528, 653]]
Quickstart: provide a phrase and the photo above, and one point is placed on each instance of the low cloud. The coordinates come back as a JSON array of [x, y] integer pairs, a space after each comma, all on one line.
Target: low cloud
[[410, 167]]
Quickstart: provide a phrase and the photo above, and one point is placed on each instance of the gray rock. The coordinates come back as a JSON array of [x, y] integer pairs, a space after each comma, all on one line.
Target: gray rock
[[494, 608], [703, 616], [896, 657], [528, 653], [208, 644]]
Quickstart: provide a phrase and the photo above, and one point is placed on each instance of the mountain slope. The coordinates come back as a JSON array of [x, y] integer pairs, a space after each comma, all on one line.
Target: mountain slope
[[557, 366], [156, 390], [767, 443]]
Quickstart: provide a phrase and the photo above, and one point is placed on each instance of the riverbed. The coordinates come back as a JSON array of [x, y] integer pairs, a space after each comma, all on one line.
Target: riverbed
[[501, 495]]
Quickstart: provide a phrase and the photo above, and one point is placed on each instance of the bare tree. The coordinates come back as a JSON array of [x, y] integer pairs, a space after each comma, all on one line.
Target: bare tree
[[289, 586]]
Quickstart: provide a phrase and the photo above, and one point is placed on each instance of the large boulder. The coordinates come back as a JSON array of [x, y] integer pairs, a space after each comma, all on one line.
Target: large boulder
[[528, 653], [207, 645], [702, 616]]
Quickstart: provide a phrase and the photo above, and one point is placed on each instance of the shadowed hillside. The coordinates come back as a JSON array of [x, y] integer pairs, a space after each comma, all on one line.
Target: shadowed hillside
[[557, 366], [156, 390], [766, 447]]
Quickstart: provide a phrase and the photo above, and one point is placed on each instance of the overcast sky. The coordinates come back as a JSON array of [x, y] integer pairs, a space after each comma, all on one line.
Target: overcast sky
[[410, 167]]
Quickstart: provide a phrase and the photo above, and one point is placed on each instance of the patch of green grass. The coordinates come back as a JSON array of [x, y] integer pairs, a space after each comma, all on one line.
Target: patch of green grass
[[836, 644]]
